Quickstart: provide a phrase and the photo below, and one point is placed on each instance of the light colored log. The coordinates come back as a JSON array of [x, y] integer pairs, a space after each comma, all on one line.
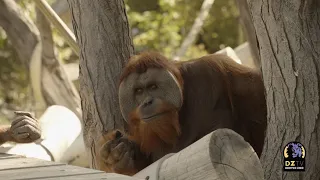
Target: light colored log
[[152, 171], [60, 128], [222, 154], [76, 153], [62, 139], [244, 54], [231, 53], [72, 70]]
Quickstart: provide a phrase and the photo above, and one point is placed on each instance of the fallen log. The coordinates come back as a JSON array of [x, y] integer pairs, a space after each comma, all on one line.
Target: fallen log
[[222, 154]]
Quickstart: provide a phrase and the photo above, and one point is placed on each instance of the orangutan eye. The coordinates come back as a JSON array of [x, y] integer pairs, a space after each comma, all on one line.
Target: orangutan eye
[[138, 90], [153, 86]]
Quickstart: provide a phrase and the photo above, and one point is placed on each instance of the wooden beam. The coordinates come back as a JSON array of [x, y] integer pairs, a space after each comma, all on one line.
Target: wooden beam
[[19, 167]]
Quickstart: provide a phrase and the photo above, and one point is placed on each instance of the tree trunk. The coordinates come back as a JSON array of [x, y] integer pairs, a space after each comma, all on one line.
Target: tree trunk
[[247, 26], [289, 40], [102, 31]]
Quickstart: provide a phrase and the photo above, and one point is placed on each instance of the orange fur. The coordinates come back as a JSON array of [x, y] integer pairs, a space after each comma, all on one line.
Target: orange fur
[[101, 165], [243, 93], [157, 133], [109, 168], [160, 132], [4, 134], [140, 63]]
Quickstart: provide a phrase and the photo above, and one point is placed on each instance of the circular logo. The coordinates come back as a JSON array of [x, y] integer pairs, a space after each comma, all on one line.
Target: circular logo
[[294, 150], [294, 155]]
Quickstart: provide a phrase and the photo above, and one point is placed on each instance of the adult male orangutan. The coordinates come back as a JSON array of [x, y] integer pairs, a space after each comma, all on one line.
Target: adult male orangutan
[[169, 105]]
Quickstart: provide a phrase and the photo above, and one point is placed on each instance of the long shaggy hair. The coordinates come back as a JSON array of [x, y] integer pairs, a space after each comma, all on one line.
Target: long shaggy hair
[[155, 134], [158, 133]]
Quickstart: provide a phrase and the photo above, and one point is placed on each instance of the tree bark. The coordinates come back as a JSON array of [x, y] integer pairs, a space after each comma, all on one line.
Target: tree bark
[[102, 31], [247, 26], [289, 41]]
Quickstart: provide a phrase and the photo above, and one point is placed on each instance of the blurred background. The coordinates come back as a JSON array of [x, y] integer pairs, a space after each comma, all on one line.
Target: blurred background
[[160, 25]]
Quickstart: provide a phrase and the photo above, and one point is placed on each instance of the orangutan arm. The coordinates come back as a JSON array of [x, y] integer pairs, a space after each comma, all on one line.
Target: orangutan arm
[[4, 134]]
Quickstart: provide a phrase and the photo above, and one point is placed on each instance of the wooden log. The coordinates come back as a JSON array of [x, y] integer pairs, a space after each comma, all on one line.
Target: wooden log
[[152, 171], [222, 154], [60, 127], [62, 138], [231, 53], [244, 54]]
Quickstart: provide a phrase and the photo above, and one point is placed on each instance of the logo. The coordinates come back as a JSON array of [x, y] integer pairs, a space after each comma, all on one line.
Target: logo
[[294, 157]]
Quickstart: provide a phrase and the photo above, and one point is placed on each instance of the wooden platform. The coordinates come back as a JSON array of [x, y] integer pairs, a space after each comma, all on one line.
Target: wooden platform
[[19, 167], [221, 154]]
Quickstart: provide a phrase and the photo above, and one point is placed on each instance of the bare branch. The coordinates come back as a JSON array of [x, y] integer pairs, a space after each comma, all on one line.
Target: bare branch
[[195, 29], [63, 29]]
